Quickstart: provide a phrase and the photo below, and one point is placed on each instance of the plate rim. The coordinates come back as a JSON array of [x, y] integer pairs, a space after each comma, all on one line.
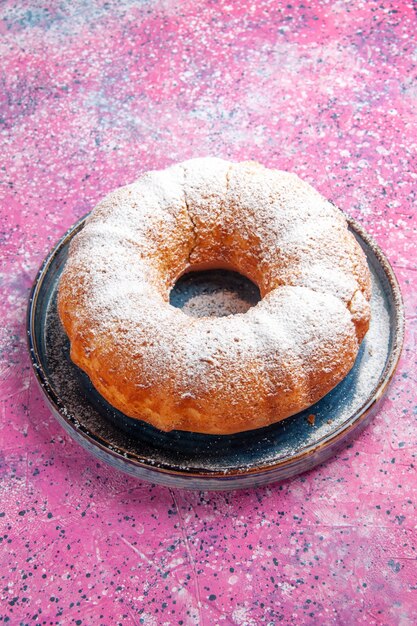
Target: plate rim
[[330, 440]]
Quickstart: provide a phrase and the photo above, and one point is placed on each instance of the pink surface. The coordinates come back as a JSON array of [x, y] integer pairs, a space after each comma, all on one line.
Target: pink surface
[[94, 93]]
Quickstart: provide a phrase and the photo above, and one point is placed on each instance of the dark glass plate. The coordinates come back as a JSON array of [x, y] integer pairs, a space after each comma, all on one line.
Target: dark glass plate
[[196, 461]]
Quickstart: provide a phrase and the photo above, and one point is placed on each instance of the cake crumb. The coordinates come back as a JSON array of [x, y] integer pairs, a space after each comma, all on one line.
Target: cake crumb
[[311, 419]]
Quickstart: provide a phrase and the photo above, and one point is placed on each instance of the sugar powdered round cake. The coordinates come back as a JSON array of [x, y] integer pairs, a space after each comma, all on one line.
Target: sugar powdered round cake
[[227, 374]]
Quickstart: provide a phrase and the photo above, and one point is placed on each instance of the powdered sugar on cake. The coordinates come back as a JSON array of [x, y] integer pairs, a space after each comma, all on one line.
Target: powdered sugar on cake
[[270, 226]]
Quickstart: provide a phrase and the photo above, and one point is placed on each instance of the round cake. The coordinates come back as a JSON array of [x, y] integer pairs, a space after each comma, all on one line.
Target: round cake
[[226, 374]]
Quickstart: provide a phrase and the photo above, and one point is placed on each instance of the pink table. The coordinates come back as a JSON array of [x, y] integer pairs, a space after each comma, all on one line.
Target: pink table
[[92, 95]]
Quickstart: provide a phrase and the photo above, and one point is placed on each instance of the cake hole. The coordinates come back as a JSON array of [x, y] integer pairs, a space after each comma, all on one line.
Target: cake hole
[[214, 293]]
